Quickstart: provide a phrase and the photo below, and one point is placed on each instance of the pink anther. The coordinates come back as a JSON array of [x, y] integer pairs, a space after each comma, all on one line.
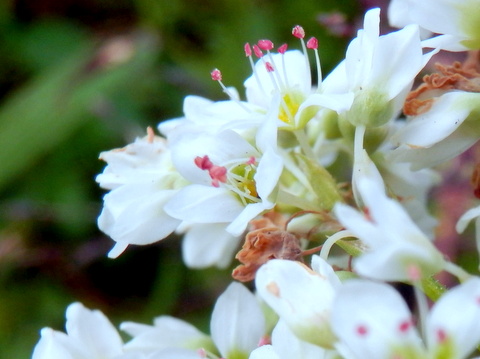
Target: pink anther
[[218, 174], [269, 67], [298, 32], [258, 53], [265, 45], [282, 49], [362, 330], [312, 43], [216, 75], [252, 160], [441, 336], [203, 163], [405, 326], [248, 50]]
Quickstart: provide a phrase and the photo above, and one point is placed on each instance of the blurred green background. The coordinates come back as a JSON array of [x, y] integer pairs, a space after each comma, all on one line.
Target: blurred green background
[[81, 77]]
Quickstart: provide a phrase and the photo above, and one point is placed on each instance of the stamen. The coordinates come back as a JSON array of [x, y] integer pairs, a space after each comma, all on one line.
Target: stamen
[[248, 53], [313, 44], [203, 163], [269, 67], [282, 49], [217, 76], [218, 174], [405, 326], [299, 33], [441, 335], [150, 135], [248, 50], [258, 53], [252, 161], [362, 330], [265, 45]]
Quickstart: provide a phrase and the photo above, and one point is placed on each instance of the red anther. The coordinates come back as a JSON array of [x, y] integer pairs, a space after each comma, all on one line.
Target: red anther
[[362, 330], [298, 32], [441, 336], [248, 50], [257, 51], [265, 45], [282, 49], [312, 43], [203, 163], [269, 67], [405, 326], [218, 174], [252, 160], [216, 75]]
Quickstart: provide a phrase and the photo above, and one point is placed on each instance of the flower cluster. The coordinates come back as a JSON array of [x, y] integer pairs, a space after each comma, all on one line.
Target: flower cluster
[[297, 167]]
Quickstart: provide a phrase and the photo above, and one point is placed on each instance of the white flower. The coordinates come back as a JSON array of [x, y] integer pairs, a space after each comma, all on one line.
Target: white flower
[[378, 71], [237, 326], [90, 335], [232, 181], [301, 297], [371, 320], [396, 247], [456, 19], [142, 180]]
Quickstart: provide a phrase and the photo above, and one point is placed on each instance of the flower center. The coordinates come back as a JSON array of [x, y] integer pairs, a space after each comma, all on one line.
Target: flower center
[[237, 176], [277, 79]]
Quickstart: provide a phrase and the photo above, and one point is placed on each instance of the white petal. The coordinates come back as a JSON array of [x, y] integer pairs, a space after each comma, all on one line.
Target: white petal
[[457, 314], [373, 321], [206, 245], [167, 332], [204, 204], [56, 345], [94, 331], [264, 352], [237, 321], [301, 297]]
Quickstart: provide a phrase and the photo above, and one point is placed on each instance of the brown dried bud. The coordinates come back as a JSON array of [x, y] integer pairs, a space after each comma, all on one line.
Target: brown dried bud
[[264, 244]]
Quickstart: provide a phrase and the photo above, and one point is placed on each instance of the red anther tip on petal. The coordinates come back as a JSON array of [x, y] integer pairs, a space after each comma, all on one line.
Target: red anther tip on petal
[[216, 75], [257, 51], [269, 67], [265, 45], [248, 50], [282, 49], [298, 32], [312, 43]]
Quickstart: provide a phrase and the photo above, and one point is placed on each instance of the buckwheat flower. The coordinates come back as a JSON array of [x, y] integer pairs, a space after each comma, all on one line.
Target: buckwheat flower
[[237, 326], [301, 297], [232, 181], [378, 71], [371, 320], [456, 20], [89, 335], [141, 180], [396, 248]]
